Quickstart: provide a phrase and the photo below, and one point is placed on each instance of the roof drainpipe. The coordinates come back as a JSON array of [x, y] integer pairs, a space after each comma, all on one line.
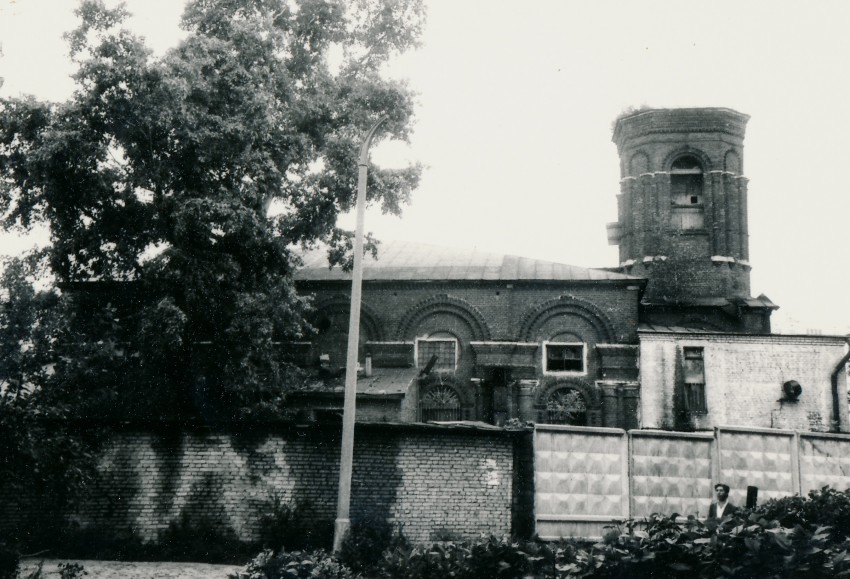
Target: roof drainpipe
[[836, 404]]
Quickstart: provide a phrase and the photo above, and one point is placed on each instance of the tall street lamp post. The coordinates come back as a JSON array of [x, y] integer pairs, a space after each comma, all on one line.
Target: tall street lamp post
[[343, 522]]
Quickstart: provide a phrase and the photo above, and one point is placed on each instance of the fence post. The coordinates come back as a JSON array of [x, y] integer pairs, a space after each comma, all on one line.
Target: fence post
[[716, 466], [752, 497], [625, 466], [631, 467], [796, 483]]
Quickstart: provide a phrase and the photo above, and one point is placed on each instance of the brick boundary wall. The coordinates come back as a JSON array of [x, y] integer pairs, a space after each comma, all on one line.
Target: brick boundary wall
[[431, 480]]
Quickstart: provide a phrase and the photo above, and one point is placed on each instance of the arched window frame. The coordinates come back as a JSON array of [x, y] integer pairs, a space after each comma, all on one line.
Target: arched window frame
[[440, 412], [687, 205]]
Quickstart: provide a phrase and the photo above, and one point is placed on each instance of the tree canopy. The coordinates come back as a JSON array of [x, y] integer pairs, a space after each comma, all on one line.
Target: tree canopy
[[177, 188]]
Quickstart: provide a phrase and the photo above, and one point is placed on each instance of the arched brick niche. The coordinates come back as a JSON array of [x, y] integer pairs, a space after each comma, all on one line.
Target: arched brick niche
[[638, 164], [445, 325], [331, 320], [568, 330], [567, 314], [443, 313]]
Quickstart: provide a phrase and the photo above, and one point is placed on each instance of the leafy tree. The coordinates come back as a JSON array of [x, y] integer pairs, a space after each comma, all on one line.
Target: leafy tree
[[175, 189]]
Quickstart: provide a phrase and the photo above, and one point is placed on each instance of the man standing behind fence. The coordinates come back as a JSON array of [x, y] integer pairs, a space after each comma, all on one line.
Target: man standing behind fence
[[721, 507]]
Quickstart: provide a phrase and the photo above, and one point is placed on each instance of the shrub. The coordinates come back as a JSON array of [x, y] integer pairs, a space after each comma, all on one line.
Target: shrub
[[789, 537], [824, 507], [366, 540], [743, 545], [488, 557], [316, 564], [435, 562], [499, 557], [201, 538], [294, 527]]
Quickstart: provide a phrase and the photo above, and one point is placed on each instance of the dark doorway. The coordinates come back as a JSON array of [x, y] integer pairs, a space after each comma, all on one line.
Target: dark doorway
[[496, 405]]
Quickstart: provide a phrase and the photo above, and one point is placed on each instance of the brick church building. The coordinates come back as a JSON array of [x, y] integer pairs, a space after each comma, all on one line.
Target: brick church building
[[669, 338]]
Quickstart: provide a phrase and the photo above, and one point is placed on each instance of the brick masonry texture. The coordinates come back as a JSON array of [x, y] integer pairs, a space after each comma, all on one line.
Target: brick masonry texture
[[743, 380], [648, 143], [426, 480], [505, 309], [592, 313]]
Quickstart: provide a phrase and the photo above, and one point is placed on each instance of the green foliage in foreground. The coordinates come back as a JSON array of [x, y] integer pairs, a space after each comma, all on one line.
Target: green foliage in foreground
[[783, 538]]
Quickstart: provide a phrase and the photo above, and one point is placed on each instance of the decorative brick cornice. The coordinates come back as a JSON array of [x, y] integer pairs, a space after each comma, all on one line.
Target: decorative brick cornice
[[567, 305], [686, 120], [444, 303]]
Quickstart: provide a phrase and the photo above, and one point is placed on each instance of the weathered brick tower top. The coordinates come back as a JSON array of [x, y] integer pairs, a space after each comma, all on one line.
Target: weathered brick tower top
[[683, 214]]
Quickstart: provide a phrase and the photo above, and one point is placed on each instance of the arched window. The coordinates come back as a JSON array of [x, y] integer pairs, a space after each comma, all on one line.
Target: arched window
[[686, 193], [566, 406], [440, 404]]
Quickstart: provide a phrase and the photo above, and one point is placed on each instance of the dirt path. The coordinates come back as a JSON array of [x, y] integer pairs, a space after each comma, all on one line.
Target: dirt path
[[132, 570]]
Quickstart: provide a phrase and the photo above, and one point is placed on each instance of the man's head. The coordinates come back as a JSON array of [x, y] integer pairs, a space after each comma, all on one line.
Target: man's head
[[721, 491]]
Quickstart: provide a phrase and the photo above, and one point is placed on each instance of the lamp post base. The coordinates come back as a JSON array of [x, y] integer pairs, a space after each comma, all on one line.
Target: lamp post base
[[341, 527]]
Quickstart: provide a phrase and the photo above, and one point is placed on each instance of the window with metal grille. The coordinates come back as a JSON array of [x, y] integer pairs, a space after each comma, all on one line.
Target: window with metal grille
[[694, 373], [564, 357], [566, 406], [440, 404], [444, 348]]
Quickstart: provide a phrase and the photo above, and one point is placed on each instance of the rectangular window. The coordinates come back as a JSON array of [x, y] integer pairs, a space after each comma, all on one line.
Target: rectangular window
[[694, 370], [564, 358], [444, 348]]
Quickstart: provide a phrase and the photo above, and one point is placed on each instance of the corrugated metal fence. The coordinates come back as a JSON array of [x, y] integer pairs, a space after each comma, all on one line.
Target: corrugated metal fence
[[585, 478]]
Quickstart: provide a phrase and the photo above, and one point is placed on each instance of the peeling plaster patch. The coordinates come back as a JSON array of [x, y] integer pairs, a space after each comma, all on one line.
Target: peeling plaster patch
[[491, 474]]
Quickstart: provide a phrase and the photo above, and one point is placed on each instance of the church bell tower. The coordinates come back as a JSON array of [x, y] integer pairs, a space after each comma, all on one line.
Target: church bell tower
[[682, 223]]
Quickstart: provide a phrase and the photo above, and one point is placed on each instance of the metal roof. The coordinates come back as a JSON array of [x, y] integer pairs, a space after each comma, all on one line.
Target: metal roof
[[382, 382], [660, 329], [409, 261], [386, 381], [716, 302], [645, 328]]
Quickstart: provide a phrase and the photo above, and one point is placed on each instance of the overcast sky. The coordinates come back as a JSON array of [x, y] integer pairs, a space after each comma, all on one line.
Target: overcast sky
[[515, 113]]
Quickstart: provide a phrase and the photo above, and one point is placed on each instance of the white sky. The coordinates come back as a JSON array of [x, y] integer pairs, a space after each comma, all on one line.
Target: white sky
[[515, 112]]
